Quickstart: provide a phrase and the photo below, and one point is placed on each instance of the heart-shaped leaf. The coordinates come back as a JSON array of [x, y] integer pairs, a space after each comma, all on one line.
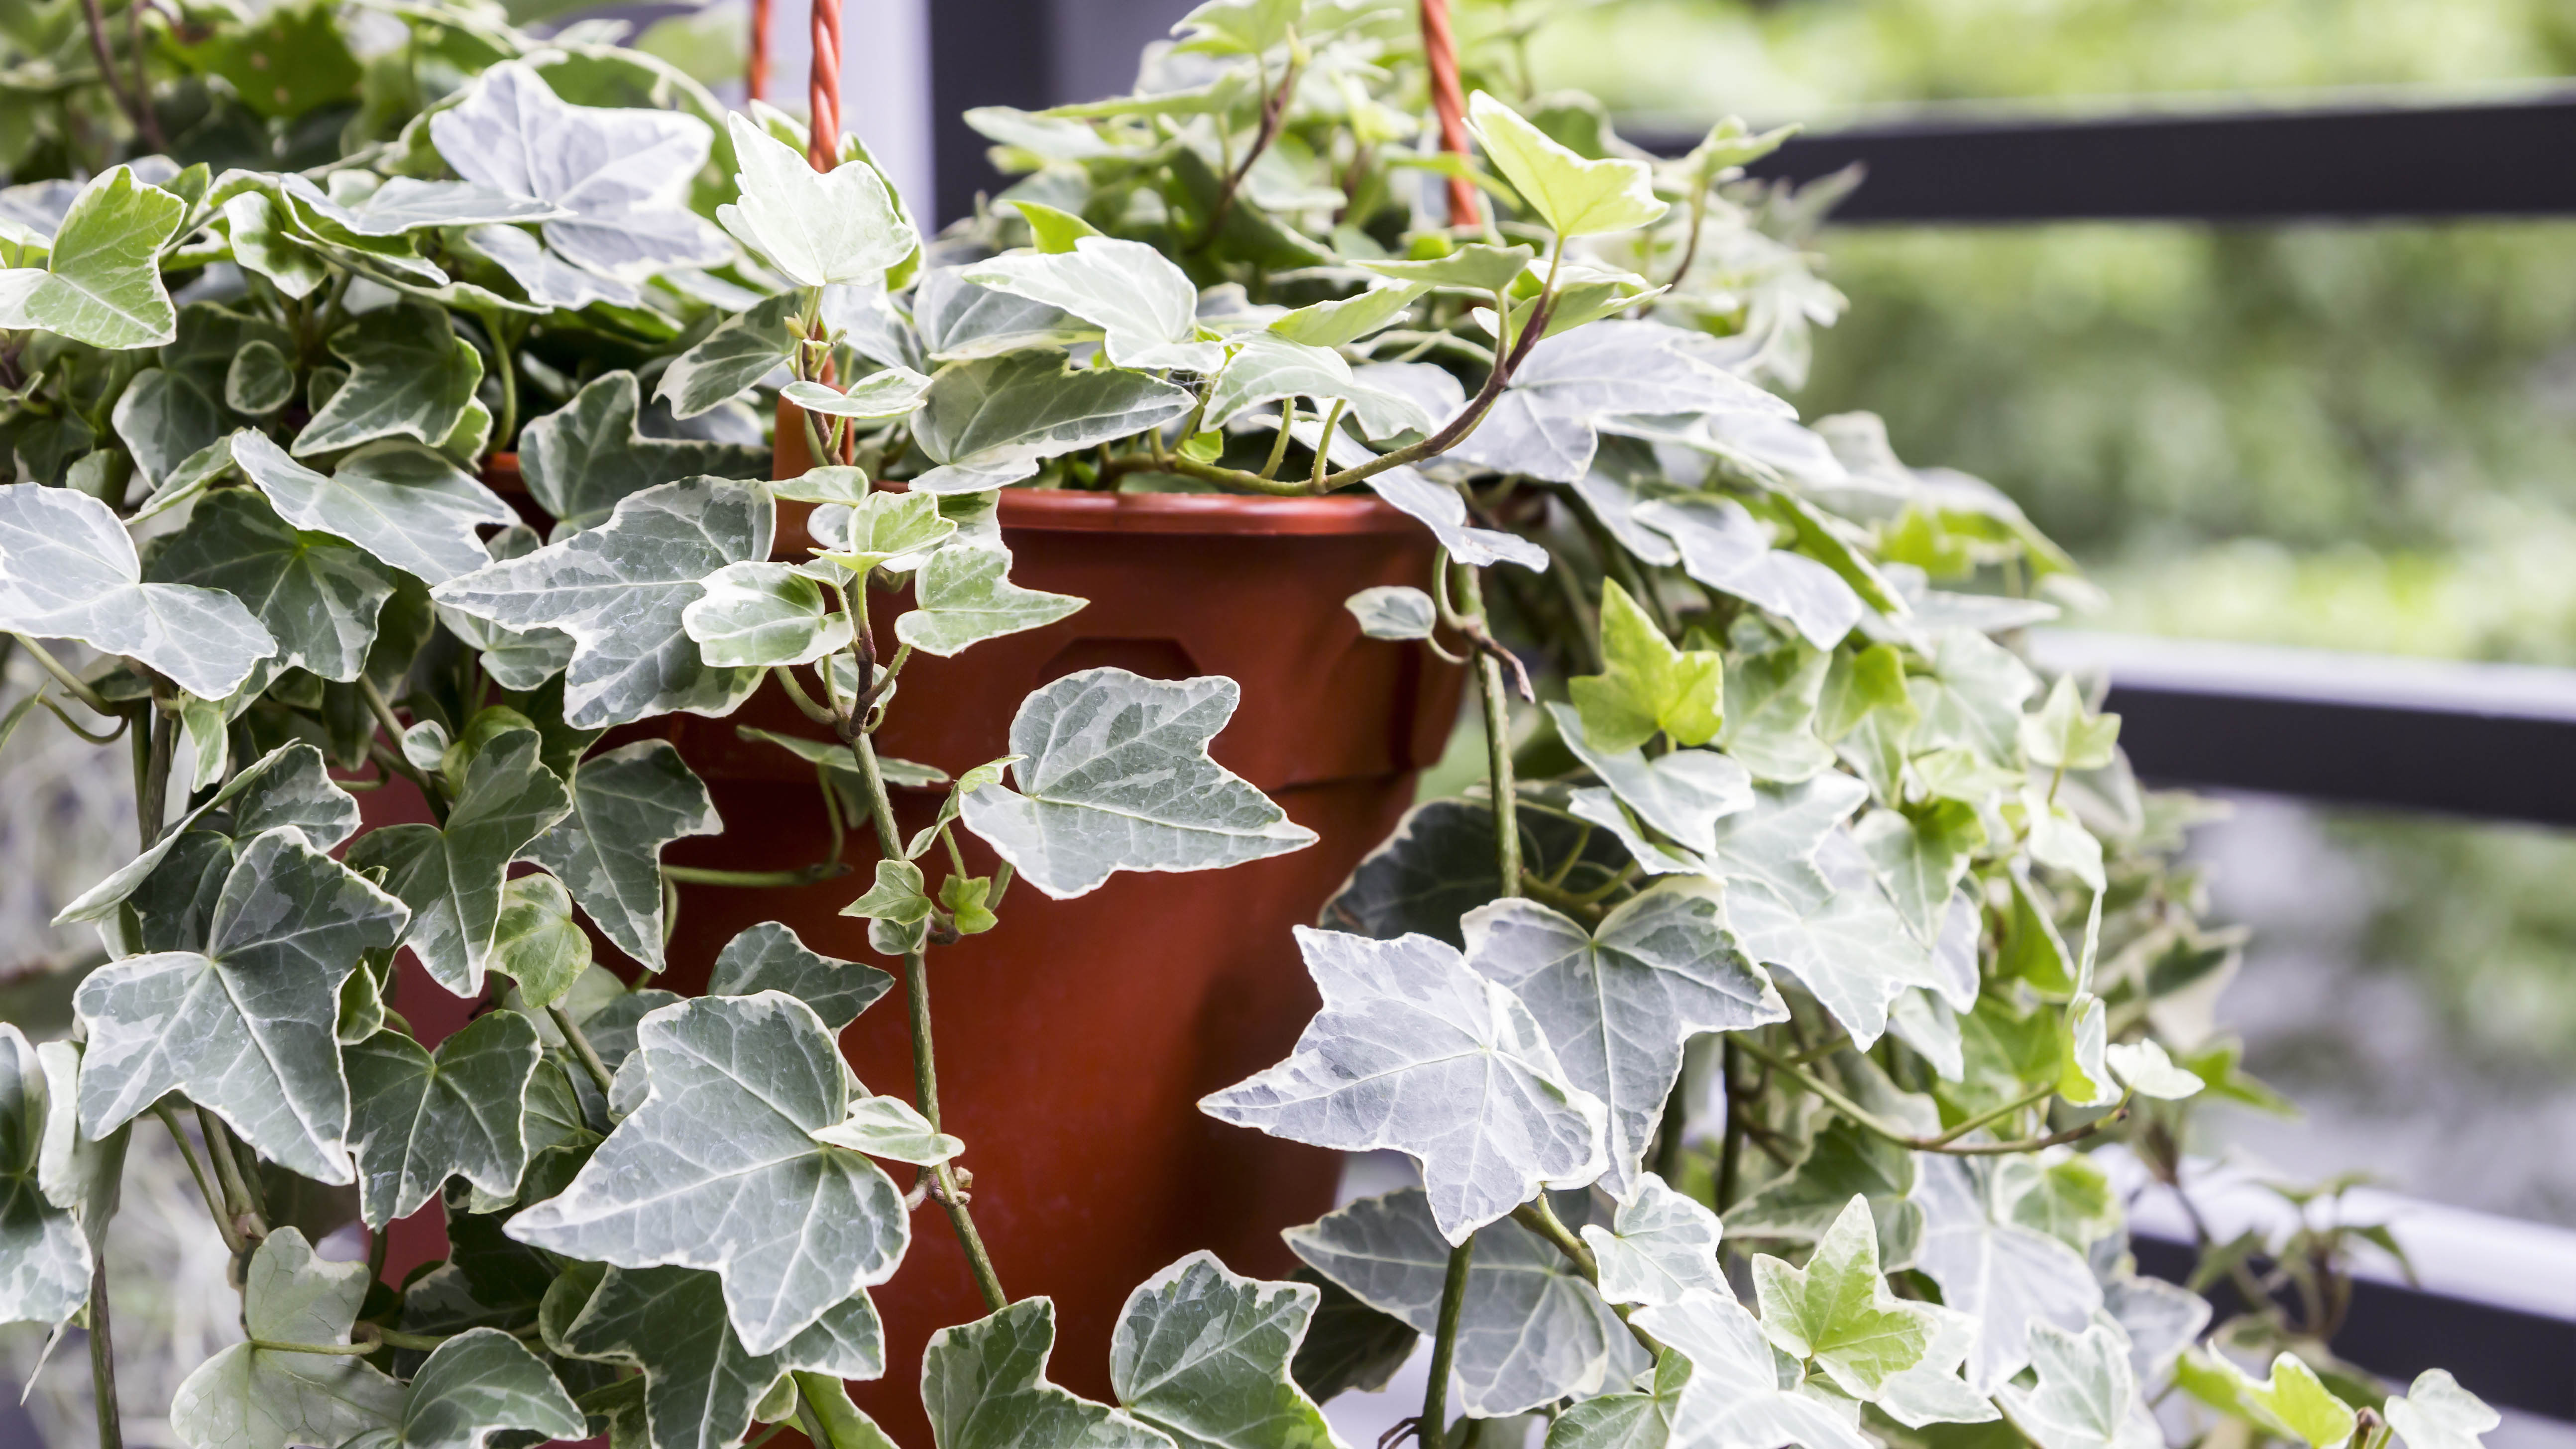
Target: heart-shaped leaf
[[477, 1384], [760, 614], [739, 352], [1735, 1398], [68, 571], [410, 376], [1576, 196], [422, 1117], [815, 227]]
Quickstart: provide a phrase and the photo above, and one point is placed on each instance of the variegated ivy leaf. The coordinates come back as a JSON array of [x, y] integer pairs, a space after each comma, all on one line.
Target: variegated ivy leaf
[[1838, 1312], [1574, 195], [2086, 1396], [410, 376], [759, 613], [624, 175], [409, 506], [1574, 386], [1683, 793], [891, 392], [2436, 1413], [1115, 775], [1416, 1052], [1347, 320], [2064, 735], [892, 531], [249, 1397], [1266, 368], [769, 957], [1919, 855], [1530, 1330], [451, 875], [1640, 1419], [1660, 1245], [984, 1386], [2290, 1401], [1845, 943], [316, 596], [1932, 1392], [477, 1384], [815, 227], [1202, 1354], [69, 571], [992, 421], [1735, 1398], [1393, 611], [2160, 1319], [960, 322], [588, 456], [1439, 865], [700, 1383], [964, 596], [1971, 698], [101, 280], [1773, 683], [263, 242], [1141, 300], [1727, 548], [44, 1257], [741, 351], [407, 203], [1436, 506], [1617, 1002], [2009, 1278], [247, 1028], [620, 589], [720, 1169], [258, 381], [626, 805], [537, 943], [290, 785], [893, 1129], [550, 282], [421, 1117]]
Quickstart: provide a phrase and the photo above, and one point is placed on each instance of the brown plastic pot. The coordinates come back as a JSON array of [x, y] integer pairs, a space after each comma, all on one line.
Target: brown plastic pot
[[1075, 1040]]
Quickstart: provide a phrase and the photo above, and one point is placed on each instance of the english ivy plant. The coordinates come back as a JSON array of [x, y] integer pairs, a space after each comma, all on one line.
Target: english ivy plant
[[1753, 1026]]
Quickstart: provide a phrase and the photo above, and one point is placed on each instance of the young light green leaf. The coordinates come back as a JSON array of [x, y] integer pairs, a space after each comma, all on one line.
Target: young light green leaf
[[316, 596], [477, 1384], [1576, 196], [1838, 1312], [410, 376], [984, 1385], [700, 1383], [588, 456], [1053, 230], [893, 531], [536, 942], [2291, 1401], [2146, 1068], [248, 1397], [891, 392], [290, 785], [1725, 547], [815, 227], [992, 421], [1734, 1398], [1266, 368], [1141, 300], [1115, 775], [69, 571], [890, 1128], [101, 282], [620, 590], [407, 505], [421, 1117], [1646, 685], [1393, 611], [769, 957], [759, 613], [1683, 793], [1660, 1245], [964, 597], [2086, 1396], [247, 1028], [44, 1257], [626, 805], [719, 1169], [2009, 1278], [451, 876], [2436, 1413], [2063, 735], [1413, 1050], [742, 350], [1202, 1354], [1617, 1002], [1347, 320], [1476, 267], [1641, 1419]]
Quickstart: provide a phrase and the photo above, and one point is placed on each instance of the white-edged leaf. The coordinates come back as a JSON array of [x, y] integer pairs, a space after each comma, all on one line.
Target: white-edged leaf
[[1727, 548], [421, 1117], [69, 571], [816, 227], [290, 785], [770, 957], [586, 457], [1393, 611], [1844, 942], [993, 420], [1839, 1312], [891, 392], [965, 596], [2436, 1413], [2149, 1071], [739, 352], [626, 805], [44, 1257], [700, 1383], [759, 613], [451, 875], [477, 1384], [1141, 300], [1660, 1246], [1683, 793], [247, 1397], [893, 1129], [410, 376], [984, 1386], [1202, 1354], [1578, 384], [2009, 1278], [1265, 368], [101, 281], [1735, 1398], [1574, 195], [409, 506], [2086, 1396]]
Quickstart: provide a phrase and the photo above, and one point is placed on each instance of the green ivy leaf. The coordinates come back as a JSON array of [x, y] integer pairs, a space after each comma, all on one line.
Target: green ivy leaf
[[720, 1168], [769, 957], [101, 282], [1735, 1395], [410, 376], [1530, 1330], [984, 1385], [317, 596], [2011, 1279], [536, 942], [1638, 1420], [892, 531], [409, 506], [44, 1257], [1605, 377], [1971, 698], [1841, 1162], [259, 380], [2086, 1396], [1617, 1002], [700, 1383], [451, 876], [1202, 1354], [264, 242], [477, 1384], [1413, 1050], [290, 785], [420, 1118], [1342, 322], [1577, 197], [2064, 735], [816, 227], [69, 571], [1646, 685], [586, 457], [1474, 267], [1660, 1245], [247, 1397], [1837, 1310], [2291, 1401], [1772, 694], [991, 421], [739, 352], [247, 1028], [626, 805], [1393, 611], [1919, 855], [962, 322], [964, 596], [1349, 1347], [1144, 304], [165, 417]]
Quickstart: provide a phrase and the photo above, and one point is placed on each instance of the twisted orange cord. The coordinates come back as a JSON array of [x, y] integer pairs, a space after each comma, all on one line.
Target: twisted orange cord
[[755, 73], [824, 106], [1440, 53]]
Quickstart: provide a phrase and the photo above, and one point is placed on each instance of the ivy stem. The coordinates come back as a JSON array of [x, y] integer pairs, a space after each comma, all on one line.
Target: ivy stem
[[581, 1047], [944, 1184], [383, 710], [504, 349], [753, 879], [152, 799], [1498, 746], [1730, 1152], [1432, 1430], [248, 1222], [102, 1349], [70, 682], [1946, 1142], [205, 1185], [1541, 1219]]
